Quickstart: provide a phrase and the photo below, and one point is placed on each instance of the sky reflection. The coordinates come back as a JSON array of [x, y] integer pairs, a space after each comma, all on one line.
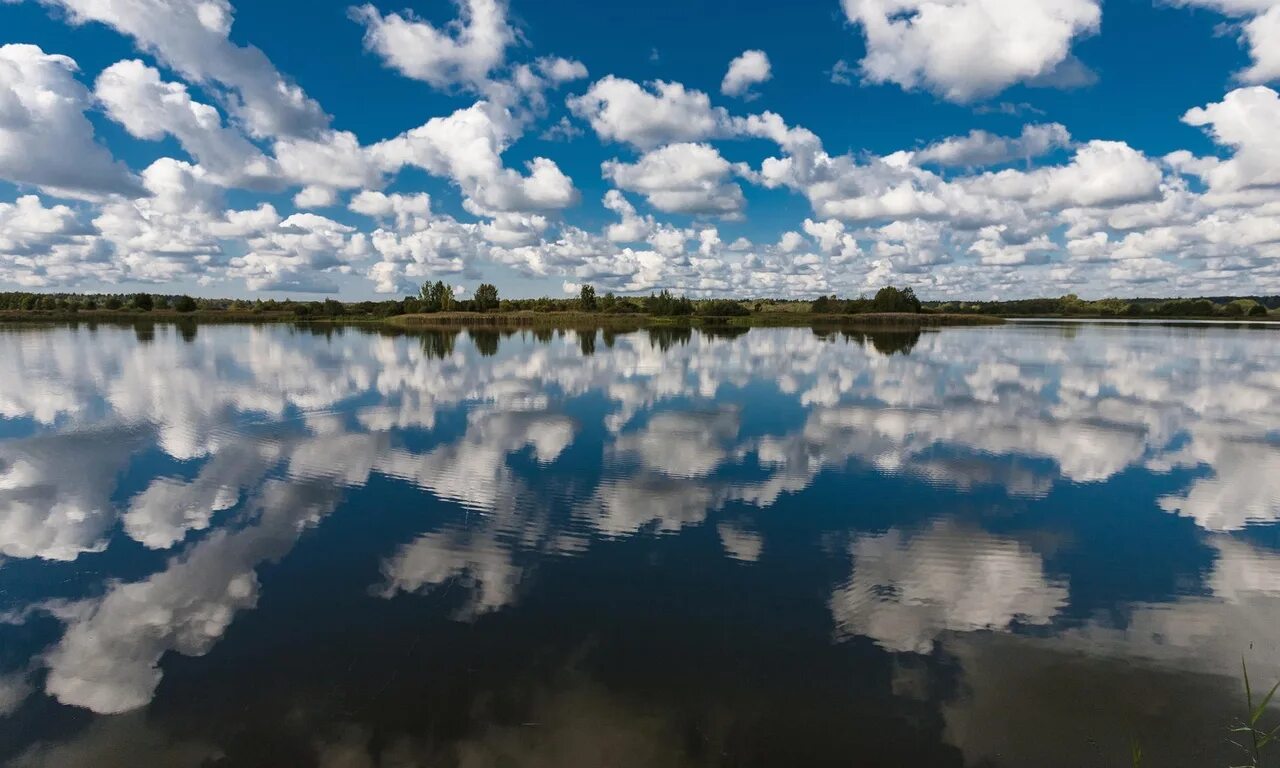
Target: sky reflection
[[907, 503]]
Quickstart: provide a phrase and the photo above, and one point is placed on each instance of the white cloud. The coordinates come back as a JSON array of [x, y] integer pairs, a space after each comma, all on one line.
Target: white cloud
[[1263, 36], [681, 178], [969, 49], [150, 108], [1101, 173], [48, 246], [1260, 31], [632, 228], [1248, 121], [980, 148], [751, 68], [621, 110], [466, 147], [191, 37], [463, 52], [45, 138]]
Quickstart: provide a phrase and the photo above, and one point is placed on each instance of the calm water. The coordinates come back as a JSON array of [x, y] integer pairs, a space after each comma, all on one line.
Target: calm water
[[260, 546]]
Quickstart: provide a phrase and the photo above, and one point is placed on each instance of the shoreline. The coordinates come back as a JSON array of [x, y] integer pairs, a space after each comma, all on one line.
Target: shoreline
[[601, 320], [522, 319]]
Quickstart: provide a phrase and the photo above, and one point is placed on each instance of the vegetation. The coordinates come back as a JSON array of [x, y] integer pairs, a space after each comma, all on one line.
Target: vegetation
[[888, 306], [723, 308], [486, 298], [1250, 735], [887, 299], [1253, 737], [436, 297], [1071, 305]]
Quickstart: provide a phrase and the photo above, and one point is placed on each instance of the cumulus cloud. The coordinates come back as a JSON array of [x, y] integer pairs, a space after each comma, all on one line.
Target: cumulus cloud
[[1101, 173], [48, 245], [192, 37], [463, 52], [466, 147], [45, 138], [1260, 32], [149, 108], [969, 49], [681, 178], [624, 111], [1248, 121], [751, 68], [980, 148]]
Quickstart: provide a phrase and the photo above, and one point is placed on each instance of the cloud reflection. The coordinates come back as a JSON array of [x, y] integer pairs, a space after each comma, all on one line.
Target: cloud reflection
[[263, 431]]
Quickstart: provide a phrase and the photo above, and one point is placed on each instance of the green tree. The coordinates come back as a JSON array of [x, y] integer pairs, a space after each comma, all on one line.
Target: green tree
[[184, 304], [143, 302], [587, 298], [891, 299], [825, 305], [486, 297], [437, 296]]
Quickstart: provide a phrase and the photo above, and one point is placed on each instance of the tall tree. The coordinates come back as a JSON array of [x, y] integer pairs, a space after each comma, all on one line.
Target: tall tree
[[437, 296], [486, 297], [587, 298]]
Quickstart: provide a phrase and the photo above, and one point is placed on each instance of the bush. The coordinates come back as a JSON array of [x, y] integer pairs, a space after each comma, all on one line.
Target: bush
[[143, 302], [723, 308], [184, 304], [826, 305]]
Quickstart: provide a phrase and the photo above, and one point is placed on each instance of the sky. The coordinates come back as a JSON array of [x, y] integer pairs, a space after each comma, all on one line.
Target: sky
[[966, 148]]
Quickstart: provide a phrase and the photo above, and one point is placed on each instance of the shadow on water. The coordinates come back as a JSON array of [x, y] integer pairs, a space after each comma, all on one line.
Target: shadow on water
[[438, 345], [486, 341], [887, 342], [666, 337], [587, 341], [726, 332]]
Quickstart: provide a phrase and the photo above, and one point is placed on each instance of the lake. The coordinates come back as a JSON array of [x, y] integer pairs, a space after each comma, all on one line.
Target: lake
[[1022, 545]]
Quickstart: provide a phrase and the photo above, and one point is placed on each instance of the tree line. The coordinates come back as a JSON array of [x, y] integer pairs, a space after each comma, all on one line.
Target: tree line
[[1073, 305], [437, 296]]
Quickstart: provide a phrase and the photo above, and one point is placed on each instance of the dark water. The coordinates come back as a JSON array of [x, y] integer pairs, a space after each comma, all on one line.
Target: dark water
[[259, 546]]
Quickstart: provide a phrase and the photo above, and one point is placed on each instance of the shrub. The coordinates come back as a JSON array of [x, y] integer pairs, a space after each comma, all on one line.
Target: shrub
[[723, 308]]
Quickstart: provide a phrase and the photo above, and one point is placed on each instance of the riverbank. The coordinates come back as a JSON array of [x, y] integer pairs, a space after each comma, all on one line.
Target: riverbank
[[522, 319], [884, 320]]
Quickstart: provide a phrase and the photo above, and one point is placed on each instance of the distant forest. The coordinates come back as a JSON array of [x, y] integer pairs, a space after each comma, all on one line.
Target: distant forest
[[439, 297]]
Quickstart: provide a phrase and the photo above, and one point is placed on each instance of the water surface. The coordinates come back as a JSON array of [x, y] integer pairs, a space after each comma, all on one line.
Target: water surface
[[265, 546]]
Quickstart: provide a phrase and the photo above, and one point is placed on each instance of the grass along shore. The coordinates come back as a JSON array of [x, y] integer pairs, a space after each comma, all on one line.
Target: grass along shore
[[499, 319], [527, 319]]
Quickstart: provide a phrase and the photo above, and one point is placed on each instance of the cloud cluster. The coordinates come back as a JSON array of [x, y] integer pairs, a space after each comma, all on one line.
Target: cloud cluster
[[979, 214]]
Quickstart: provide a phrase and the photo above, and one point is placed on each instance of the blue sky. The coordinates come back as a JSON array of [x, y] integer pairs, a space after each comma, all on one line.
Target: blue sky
[[970, 148]]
